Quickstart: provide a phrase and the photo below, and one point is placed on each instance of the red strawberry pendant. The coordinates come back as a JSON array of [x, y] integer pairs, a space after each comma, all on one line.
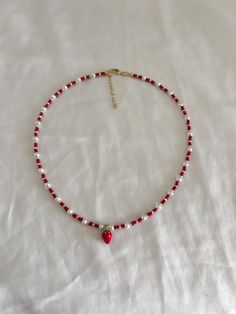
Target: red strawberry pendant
[[107, 234]]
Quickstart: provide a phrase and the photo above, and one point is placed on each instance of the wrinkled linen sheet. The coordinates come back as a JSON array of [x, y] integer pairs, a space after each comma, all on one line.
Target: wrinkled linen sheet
[[111, 165]]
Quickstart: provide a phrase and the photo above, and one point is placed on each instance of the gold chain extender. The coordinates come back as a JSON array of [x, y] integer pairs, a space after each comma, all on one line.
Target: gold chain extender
[[109, 73]]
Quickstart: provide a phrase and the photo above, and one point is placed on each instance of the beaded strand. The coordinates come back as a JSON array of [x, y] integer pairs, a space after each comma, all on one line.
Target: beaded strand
[[107, 229]]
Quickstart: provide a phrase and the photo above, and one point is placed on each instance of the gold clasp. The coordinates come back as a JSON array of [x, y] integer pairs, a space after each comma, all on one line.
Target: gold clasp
[[119, 72]]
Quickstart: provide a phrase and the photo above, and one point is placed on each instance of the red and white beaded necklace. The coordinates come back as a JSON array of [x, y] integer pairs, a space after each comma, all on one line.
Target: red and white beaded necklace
[[107, 229]]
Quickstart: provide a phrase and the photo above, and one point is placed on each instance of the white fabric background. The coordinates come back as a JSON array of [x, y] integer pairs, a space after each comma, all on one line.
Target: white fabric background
[[112, 164]]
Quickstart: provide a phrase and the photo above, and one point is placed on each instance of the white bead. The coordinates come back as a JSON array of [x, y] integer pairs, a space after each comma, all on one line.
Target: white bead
[[112, 227], [190, 149], [41, 170], [64, 88], [160, 207], [38, 123], [53, 97], [190, 133], [43, 109], [180, 179], [36, 155], [78, 79], [70, 212], [144, 218], [144, 78], [48, 185], [186, 164], [58, 199], [127, 226], [85, 221], [35, 139], [92, 75], [101, 227]]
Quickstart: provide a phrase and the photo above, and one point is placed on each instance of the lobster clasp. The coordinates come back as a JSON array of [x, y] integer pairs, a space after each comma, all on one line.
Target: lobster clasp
[[119, 72]]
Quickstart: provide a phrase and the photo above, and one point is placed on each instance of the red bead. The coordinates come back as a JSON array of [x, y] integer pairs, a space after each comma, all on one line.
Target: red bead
[[176, 100], [147, 79], [107, 236], [154, 209], [103, 73], [187, 158], [36, 129], [73, 82], [54, 195], [167, 196], [96, 226], [135, 75], [80, 219], [50, 190], [190, 138], [152, 82], [45, 181], [189, 143], [174, 188], [189, 128], [60, 90], [62, 204], [165, 90], [184, 168], [43, 175], [133, 222], [49, 101], [97, 74], [163, 201], [68, 85], [140, 77], [87, 77], [173, 95], [66, 208], [116, 227], [149, 214], [161, 86], [139, 219], [181, 174], [74, 216], [122, 226], [188, 153]]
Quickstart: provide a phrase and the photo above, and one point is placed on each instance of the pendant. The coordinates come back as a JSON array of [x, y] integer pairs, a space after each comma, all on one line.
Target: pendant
[[107, 234]]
